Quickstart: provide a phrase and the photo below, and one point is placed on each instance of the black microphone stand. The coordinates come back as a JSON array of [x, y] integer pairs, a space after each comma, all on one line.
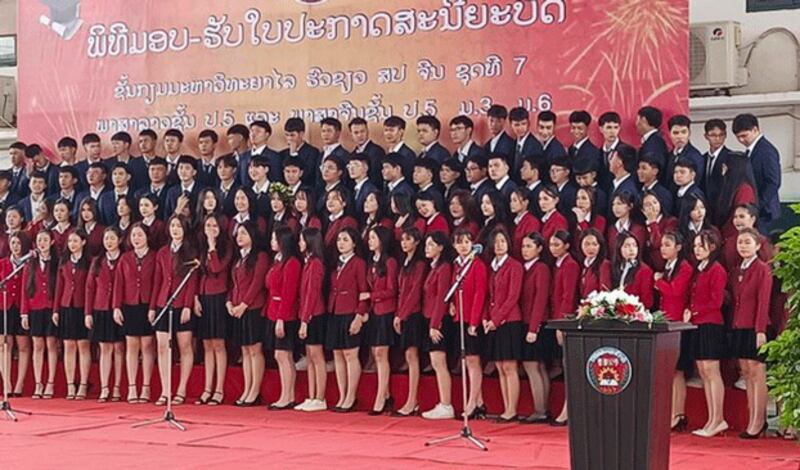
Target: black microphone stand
[[466, 431], [169, 416], [5, 406]]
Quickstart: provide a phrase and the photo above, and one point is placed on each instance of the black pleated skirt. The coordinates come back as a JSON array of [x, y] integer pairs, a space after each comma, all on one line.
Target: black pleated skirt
[[287, 343], [450, 336], [315, 331], [104, 329], [505, 343], [473, 345], [413, 331], [249, 329], [743, 345], [41, 323], [162, 325], [135, 321], [685, 358], [708, 342], [540, 350], [215, 321], [14, 322], [380, 330], [338, 332], [72, 324]]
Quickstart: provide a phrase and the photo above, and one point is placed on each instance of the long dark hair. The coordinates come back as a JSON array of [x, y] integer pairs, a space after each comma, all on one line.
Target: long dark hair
[[498, 232], [357, 242], [385, 237], [251, 200], [315, 243], [98, 261], [144, 228], [404, 206], [442, 240], [709, 238], [413, 232], [187, 253], [464, 198], [52, 270], [618, 262], [92, 205], [737, 174], [592, 193], [381, 213], [500, 205], [287, 243], [66, 256], [601, 255], [222, 246], [252, 231], [677, 237], [685, 214], [200, 211]]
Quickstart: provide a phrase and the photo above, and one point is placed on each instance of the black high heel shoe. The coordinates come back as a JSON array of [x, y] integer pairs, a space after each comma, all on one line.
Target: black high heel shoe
[[342, 409], [478, 413], [681, 424], [747, 435], [255, 402], [388, 405]]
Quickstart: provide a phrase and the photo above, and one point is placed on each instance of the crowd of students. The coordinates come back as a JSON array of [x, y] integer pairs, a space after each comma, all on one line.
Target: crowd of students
[[337, 251]]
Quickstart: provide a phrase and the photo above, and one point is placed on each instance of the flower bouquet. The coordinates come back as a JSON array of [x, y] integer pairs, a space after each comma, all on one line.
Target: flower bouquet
[[616, 305]]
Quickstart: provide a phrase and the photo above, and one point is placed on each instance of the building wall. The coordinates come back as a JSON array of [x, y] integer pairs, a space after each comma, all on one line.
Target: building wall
[[8, 17]]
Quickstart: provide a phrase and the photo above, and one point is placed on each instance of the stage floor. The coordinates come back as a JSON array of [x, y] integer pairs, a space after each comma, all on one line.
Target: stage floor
[[89, 435]]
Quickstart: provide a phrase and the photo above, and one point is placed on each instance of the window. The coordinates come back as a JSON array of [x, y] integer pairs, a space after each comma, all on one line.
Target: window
[[8, 51], [767, 5]]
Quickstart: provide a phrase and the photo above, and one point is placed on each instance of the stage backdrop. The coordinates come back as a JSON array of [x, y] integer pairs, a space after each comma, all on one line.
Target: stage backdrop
[[189, 64]]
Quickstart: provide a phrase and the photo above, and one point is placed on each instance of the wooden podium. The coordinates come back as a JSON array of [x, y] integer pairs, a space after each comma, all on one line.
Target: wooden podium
[[619, 392]]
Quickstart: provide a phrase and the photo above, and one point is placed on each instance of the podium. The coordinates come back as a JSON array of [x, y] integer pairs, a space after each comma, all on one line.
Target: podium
[[619, 392]]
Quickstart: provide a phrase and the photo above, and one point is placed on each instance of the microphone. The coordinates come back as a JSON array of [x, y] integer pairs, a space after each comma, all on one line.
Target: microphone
[[477, 249], [26, 258], [193, 264]]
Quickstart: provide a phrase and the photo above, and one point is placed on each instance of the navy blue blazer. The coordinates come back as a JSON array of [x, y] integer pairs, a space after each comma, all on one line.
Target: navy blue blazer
[[242, 164], [207, 174], [485, 187], [630, 186], [566, 197], [531, 146], [107, 208], [664, 196], [19, 184], [228, 208], [533, 200], [506, 146], [604, 177], [403, 188], [656, 145], [361, 195], [690, 152], [681, 201], [436, 195], [766, 163], [52, 179], [172, 198], [553, 150], [140, 177], [712, 182], [508, 187], [275, 173], [437, 152], [474, 150], [407, 161], [309, 158], [375, 153]]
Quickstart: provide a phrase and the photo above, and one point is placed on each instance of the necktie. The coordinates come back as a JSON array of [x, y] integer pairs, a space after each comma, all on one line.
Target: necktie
[[709, 168]]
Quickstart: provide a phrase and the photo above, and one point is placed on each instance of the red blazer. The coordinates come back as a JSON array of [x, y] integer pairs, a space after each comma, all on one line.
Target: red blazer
[[346, 285], [591, 282], [335, 227], [751, 290], [565, 288], [529, 223], [471, 226], [555, 223], [288, 220], [745, 194], [248, 284], [383, 289], [94, 240], [311, 280], [690, 235], [674, 291], [384, 222], [535, 299], [70, 287], [312, 222], [100, 287], [41, 299], [157, 235], [474, 289], [14, 285], [410, 281], [60, 239], [652, 250], [283, 284], [215, 275], [730, 258], [642, 285], [420, 224], [638, 232], [167, 280], [707, 294], [133, 279], [436, 285], [597, 222], [261, 226], [504, 292], [437, 223]]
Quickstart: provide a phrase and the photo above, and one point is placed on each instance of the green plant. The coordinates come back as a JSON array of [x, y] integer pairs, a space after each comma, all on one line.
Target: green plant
[[783, 374]]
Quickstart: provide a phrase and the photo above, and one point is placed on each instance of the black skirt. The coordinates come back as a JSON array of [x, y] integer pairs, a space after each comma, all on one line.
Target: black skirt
[[72, 324], [540, 350], [14, 323], [380, 330], [135, 321], [449, 337], [338, 332], [413, 331], [41, 323], [249, 328], [743, 345], [271, 340], [473, 345], [104, 328], [315, 331], [505, 343], [162, 324], [215, 321], [708, 342], [685, 358]]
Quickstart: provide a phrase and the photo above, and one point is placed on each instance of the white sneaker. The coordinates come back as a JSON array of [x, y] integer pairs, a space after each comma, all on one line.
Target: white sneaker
[[316, 405], [302, 364], [440, 411], [741, 384], [694, 382], [330, 366], [302, 406]]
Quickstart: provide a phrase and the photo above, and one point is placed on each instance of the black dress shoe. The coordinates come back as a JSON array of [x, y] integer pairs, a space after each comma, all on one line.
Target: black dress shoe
[[388, 404], [287, 406], [501, 420], [536, 419], [557, 423]]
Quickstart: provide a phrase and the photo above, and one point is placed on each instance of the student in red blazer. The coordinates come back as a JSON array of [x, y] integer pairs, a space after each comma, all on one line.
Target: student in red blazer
[[157, 233], [525, 223], [672, 285], [535, 304], [283, 283], [622, 206], [349, 306], [429, 213], [657, 224], [88, 222], [244, 201], [751, 288], [312, 317], [552, 220], [586, 213], [36, 311], [133, 288], [564, 301], [374, 214], [246, 300], [19, 245], [62, 224], [463, 212], [503, 322], [305, 211], [438, 322], [213, 323], [628, 271], [338, 220], [738, 188], [99, 316], [409, 321], [707, 293], [282, 211], [473, 291], [596, 269], [745, 217], [173, 263]]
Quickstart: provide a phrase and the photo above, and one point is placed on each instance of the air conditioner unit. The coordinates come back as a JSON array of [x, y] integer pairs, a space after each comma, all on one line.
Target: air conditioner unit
[[714, 56]]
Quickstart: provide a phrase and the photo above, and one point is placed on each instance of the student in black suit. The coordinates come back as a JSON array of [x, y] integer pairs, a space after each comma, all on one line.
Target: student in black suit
[[428, 130], [582, 147], [173, 141], [227, 186], [206, 164], [498, 172], [259, 172], [330, 133], [293, 175], [552, 148], [479, 183], [157, 177], [715, 133], [500, 143], [301, 151], [623, 166], [36, 196], [333, 172], [684, 177], [561, 176], [239, 141], [358, 169], [451, 176], [461, 128], [610, 124], [147, 141], [359, 130], [426, 180], [121, 148], [19, 174], [67, 189], [585, 171], [187, 190], [41, 163], [7, 198], [680, 133], [526, 144], [67, 148], [394, 128], [766, 163], [531, 174], [107, 204], [648, 172], [648, 121], [394, 177], [97, 179], [260, 132]]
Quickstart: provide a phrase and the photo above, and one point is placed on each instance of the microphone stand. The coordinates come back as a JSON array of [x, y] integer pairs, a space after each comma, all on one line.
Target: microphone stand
[[466, 431], [5, 406], [169, 416]]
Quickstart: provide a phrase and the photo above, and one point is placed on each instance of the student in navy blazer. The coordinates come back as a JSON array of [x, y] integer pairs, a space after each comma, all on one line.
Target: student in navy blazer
[[360, 132], [648, 173], [715, 135], [107, 203], [358, 168], [299, 150], [394, 128], [42, 164], [680, 133], [583, 148], [622, 167], [500, 142], [552, 149], [648, 121], [461, 128], [428, 130], [239, 142], [187, 171], [766, 163]]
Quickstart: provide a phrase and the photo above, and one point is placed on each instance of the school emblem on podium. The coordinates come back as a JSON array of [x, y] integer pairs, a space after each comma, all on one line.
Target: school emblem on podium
[[608, 370]]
